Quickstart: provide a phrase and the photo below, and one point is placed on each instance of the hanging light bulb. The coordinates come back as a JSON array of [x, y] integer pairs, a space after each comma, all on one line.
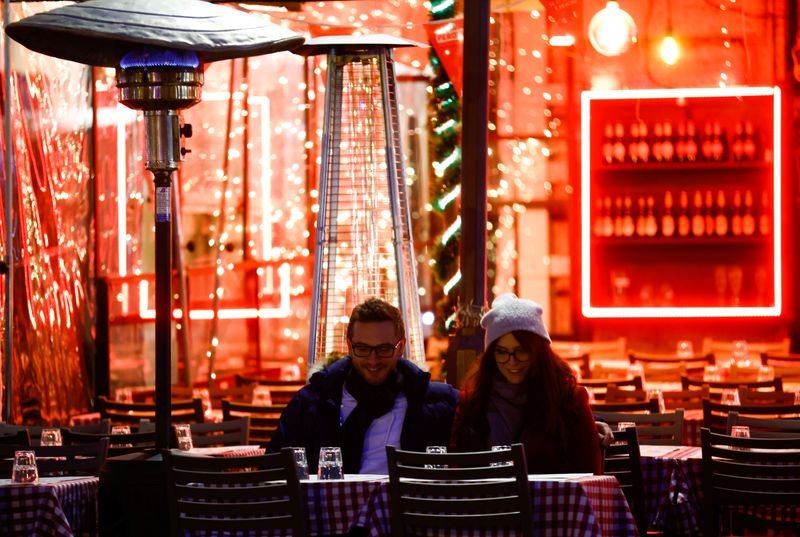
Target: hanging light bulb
[[669, 49], [612, 30]]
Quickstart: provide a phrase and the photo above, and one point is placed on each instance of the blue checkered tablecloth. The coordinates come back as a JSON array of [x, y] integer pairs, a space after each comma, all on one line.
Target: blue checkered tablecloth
[[56, 506]]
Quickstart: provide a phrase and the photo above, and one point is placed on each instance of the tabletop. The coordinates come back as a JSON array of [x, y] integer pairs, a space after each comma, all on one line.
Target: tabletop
[[62, 506]]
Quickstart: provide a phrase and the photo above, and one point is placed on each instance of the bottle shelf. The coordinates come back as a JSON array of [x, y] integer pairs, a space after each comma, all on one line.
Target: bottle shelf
[[689, 241], [670, 167]]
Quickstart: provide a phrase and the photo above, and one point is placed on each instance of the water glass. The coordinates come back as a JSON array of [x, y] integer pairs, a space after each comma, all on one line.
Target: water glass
[[184, 435], [124, 395], [685, 348], [51, 437], [711, 373], [730, 396], [300, 462], [330, 463], [261, 396], [740, 431], [501, 448], [120, 429], [24, 469], [622, 425], [436, 449], [740, 352], [766, 372]]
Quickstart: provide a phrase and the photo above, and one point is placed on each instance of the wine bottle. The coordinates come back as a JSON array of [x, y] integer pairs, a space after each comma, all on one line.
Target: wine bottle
[[658, 140], [736, 218], [684, 224], [749, 144], [619, 143], [764, 220], [641, 229], [691, 142], [628, 227], [748, 220], [644, 144], [721, 221], [680, 143], [718, 143], [608, 144], [618, 219], [608, 222], [709, 210], [737, 148], [667, 221], [707, 144], [633, 143], [668, 146], [698, 222], [651, 226], [598, 218]]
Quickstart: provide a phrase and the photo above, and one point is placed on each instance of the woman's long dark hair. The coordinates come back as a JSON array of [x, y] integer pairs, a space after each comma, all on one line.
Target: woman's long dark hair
[[550, 385]]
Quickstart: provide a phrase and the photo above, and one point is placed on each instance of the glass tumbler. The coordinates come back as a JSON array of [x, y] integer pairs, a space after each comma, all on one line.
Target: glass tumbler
[[24, 469], [300, 462], [330, 463], [184, 435], [501, 448], [51, 437]]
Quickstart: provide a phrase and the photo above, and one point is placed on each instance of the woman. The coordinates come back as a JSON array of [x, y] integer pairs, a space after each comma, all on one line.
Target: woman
[[521, 391]]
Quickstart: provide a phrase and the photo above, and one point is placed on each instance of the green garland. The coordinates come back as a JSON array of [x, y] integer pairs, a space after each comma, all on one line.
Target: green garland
[[445, 130]]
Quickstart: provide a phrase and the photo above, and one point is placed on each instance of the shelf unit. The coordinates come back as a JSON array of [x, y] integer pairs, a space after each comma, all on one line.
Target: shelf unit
[[639, 256]]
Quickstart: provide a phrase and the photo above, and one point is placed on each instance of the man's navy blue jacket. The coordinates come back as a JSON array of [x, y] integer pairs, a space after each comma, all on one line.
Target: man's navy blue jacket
[[311, 419]]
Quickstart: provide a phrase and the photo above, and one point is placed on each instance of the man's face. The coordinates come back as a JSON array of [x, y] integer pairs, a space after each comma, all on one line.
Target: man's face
[[376, 363]]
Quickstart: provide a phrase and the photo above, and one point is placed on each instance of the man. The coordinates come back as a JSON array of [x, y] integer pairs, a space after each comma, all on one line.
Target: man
[[371, 398]]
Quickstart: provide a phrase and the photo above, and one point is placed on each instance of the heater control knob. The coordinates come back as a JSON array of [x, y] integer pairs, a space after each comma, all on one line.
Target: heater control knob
[[186, 130], [184, 151]]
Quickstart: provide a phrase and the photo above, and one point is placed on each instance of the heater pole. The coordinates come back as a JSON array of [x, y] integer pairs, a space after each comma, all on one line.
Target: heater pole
[[163, 269]]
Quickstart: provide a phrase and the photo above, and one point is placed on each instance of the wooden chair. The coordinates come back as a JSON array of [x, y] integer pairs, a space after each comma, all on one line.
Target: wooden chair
[[685, 399], [20, 438], [715, 415], [691, 383], [785, 365], [59, 460], [185, 411], [758, 397], [615, 394], [656, 429], [226, 433], [263, 419], [724, 349], [599, 387], [748, 474], [766, 427], [480, 492], [281, 391], [622, 460], [581, 361], [239, 394], [118, 444], [35, 432], [670, 367], [650, 406], [235, 496]]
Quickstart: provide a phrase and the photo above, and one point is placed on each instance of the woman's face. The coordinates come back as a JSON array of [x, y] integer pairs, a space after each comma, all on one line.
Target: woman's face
[[512, 360]]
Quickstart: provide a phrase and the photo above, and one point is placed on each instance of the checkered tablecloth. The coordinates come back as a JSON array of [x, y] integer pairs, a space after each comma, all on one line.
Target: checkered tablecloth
[[673, 488], [586, 507], [692, 423], [54, 507]]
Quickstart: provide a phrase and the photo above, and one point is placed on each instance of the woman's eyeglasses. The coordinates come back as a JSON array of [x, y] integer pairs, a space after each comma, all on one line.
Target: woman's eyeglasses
[[386, 350], [502, 356]]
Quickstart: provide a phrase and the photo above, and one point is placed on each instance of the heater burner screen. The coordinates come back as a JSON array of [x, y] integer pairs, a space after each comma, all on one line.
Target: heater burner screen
[[158, 57]]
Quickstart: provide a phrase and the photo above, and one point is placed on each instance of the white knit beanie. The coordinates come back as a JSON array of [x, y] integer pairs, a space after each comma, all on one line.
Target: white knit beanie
[[510, 313]]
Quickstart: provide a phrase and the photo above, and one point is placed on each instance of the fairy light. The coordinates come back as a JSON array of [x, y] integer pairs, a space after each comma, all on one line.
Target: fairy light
[[724, 75]]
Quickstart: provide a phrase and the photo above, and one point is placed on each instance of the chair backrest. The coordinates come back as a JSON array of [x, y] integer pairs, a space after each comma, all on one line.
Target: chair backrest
[[235, 495], [226, 433], [240, 394], [657, 428], [281, 391], [263, 419], [744, 472], [715, 415], [765, 427], [758, 397], [85, 459], [685, 399], [600, 386], [101, 427], [688, 383], [615, 394], [612, 348], [785, 365], [651, 406], [186, 411], [19, 438], [480, 492], [622, 460], [724, 349], [581, 361], [118, 444], [670, 367]]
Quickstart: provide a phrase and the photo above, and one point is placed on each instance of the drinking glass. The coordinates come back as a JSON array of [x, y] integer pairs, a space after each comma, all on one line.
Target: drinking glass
[[685, 348], [120, 429], [51, 437], [766, 372], [711, 373], [261, 396], [300, 462], [621, 426], [740, 431], [740, 352], [330, 463], [436, 449], [730, 396], [24, 469], [184, 435], [502, 448], [124, 395]]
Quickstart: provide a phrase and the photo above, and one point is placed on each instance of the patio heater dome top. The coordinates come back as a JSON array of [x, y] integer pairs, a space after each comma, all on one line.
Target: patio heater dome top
[[353, 43], [101, 32]]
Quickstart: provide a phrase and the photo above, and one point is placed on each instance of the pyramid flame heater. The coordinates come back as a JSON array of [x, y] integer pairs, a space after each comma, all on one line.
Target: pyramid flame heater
[[158, 48], [363, 243]]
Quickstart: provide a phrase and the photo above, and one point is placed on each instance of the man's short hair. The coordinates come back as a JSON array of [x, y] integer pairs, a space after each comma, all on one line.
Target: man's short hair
[[376, 310]]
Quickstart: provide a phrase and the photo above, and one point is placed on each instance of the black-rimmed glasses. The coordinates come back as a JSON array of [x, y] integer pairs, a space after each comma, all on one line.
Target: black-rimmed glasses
[[502, 356], [386, 350]]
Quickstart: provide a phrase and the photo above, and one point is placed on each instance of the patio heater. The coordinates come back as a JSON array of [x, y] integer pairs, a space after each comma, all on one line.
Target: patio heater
[[363, 234], [158, 48]]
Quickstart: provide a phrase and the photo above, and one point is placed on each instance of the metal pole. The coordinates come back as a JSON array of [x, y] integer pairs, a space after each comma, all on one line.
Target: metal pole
[[163, 180], [8, 160]]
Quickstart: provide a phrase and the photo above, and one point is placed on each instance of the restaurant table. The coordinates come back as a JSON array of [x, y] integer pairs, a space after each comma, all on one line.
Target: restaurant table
[[692, 423], [62, 506], [563, 506], [673, 488]]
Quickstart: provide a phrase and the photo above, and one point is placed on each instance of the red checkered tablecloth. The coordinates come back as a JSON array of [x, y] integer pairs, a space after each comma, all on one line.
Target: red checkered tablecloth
[[692, 423], [585, 507], [57, 506], [673, 488]]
